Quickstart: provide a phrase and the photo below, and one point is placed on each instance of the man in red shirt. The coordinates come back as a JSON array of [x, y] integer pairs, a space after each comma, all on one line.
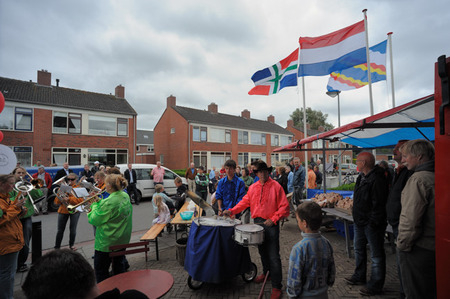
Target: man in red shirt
[[268, 205]]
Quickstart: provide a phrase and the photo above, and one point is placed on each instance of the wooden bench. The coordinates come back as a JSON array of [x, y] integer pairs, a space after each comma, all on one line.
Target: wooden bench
[[143, 245], [152, 235]]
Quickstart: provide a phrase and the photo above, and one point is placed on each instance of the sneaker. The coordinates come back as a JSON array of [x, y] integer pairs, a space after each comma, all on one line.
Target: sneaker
[[276, 293], [369, 292], [354, 281], [260, 278], [23, 268]]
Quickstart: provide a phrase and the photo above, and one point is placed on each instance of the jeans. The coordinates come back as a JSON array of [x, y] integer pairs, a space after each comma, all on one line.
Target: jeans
[[102, 261], [43, 204], [375, 237], [270, 253], [418, 270], [132, 192], [27, 226], [395, 233], [62, 221], [8, 267]]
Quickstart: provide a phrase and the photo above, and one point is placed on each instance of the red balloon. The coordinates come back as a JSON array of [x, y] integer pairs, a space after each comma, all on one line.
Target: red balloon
[[1, 135], [2, 102]]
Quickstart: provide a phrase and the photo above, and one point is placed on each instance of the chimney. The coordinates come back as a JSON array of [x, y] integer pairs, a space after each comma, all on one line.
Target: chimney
[[44, 78], [245, 114], [171, 101], [57, 82], [321, 129], [212, 108], [120, 91], [271, 118], [290, 123]]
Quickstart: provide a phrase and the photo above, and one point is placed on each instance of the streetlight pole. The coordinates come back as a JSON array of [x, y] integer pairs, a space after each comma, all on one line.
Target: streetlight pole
[[333, 94]]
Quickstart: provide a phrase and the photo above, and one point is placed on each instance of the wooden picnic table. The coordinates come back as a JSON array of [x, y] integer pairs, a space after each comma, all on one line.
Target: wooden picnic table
[[177, 219]]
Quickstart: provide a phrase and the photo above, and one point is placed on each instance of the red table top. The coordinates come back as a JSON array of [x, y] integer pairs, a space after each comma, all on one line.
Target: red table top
[[153, 283]]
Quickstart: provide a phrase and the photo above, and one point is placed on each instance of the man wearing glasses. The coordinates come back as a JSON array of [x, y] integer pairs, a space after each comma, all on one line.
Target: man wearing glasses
[[268, 205]]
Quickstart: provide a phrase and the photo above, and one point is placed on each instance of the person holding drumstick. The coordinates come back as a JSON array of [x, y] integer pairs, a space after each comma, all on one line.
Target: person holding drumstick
[[268, 205], [11, 235], [113, 218]]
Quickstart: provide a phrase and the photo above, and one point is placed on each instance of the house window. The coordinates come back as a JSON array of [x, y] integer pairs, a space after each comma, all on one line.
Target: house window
[[243, 159], [216, 135], [228, 136], [70, 155], [23, 119], [258, 138], [108, 156], [274, 140], [7, 118], [23, 154], [101, 125], [200, 159], [150, 148], [243, 137], [199, 134], [122, 127], [64, 122], [257, 156], [285, 140], [219, 158], [172, 130], [138, 148]]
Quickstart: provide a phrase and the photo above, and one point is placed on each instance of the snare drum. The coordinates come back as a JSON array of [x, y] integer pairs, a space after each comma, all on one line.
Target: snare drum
[[249, 234]]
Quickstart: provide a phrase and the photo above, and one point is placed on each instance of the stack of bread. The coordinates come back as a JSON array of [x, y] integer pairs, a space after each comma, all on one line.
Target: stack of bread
[[327, 200]]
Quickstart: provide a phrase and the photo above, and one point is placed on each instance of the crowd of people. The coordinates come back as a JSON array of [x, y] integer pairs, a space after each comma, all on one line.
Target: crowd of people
[[403, 198]]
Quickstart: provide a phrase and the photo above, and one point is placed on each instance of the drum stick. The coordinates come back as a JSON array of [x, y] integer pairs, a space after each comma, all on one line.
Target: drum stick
[[261, 293]]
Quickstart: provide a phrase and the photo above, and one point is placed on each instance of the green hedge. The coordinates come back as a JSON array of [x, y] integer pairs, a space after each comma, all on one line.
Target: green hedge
[[345, 187], [180, 172]]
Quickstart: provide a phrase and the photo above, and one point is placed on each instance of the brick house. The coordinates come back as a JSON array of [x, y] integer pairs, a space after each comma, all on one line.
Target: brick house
[[331, 155], [55, 124], [209, 138], [145, 149]]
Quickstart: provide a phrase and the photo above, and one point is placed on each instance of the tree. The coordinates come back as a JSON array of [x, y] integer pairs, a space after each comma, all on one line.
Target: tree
[[313, 117]]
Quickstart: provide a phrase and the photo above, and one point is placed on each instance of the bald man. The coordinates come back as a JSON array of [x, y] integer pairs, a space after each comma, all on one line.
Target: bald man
[[369, 215]]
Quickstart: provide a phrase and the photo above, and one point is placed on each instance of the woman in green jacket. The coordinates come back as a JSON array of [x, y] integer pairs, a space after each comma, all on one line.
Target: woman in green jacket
[[113, 218]]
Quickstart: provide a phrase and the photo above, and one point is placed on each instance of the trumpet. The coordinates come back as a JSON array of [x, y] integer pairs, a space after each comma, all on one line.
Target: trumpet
[[86, 204], [25, 187]]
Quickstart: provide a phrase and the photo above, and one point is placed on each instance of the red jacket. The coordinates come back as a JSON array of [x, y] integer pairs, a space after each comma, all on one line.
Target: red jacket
[[267, 201], [48, 179]]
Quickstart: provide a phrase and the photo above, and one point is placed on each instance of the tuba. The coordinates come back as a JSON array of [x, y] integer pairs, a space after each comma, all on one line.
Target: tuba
[[23, 187], [59, 192]]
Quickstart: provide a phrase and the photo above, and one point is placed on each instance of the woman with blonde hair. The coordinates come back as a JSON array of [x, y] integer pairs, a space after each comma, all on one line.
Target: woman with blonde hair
[[11, 235], [163, 215], [112, 216]]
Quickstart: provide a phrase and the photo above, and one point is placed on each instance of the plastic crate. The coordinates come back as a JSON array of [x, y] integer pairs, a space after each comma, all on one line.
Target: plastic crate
[[340, 228]]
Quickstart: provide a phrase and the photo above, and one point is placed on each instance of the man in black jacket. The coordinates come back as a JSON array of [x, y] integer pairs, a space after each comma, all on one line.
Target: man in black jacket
[[369, 215], [63, 172], [130, 176]]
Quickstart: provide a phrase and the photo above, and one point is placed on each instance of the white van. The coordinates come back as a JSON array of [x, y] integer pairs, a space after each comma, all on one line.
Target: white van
[[144, 183]]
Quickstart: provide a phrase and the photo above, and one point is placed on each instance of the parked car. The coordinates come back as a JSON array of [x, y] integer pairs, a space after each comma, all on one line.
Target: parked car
[[145, 186], [349, 168]]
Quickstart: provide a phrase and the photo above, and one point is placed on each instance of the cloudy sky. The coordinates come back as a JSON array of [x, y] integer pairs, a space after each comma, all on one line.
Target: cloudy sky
[[204, 51]]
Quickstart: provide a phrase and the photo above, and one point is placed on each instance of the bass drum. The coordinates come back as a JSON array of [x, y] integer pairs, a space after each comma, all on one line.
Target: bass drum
[[249, 234]]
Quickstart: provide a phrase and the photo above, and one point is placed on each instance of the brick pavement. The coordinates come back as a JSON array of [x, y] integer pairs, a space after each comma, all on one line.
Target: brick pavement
[[236, 287]]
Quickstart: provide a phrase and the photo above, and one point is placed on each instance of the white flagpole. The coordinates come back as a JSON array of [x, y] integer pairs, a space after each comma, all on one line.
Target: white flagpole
[[391, 67], [305, 133], [369, 77]]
